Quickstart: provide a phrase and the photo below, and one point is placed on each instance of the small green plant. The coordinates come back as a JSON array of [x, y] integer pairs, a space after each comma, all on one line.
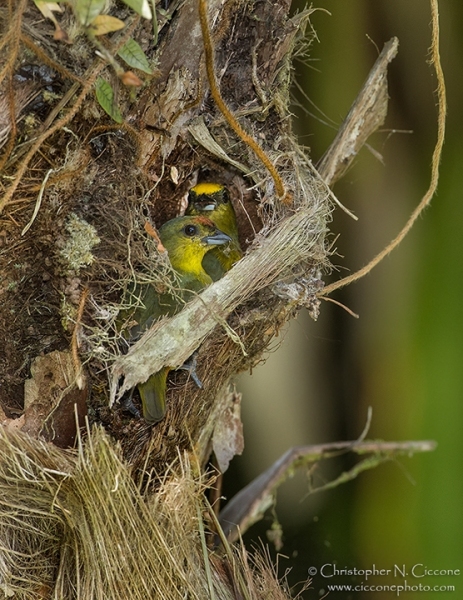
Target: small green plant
[[91, 18]]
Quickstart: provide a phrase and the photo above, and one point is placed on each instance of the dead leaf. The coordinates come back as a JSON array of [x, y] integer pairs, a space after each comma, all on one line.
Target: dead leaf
[[366, 114], [227, 440], [50, 396], [129, 78], [103, 24], [150, 230]]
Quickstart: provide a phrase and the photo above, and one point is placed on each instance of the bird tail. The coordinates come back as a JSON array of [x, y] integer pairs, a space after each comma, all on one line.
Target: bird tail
[[153, 396]]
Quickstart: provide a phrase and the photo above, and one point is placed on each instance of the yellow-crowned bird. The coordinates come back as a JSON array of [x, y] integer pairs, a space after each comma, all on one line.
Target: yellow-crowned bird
[[187, 240], [212, 200]]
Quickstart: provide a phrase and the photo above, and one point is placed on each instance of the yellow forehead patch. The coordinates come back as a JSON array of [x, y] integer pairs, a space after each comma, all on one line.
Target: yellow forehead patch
[[207, 188]]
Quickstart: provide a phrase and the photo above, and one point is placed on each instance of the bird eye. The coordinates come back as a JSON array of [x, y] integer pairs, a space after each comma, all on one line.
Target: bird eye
[[225, 196], [190, 230]]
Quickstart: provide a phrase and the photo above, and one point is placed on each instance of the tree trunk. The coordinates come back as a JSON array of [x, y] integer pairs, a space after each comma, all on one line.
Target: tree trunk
[[82, 196]]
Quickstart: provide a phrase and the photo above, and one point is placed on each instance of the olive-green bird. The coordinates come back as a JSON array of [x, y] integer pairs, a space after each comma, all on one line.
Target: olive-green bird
[[212, 200], [187, 240]]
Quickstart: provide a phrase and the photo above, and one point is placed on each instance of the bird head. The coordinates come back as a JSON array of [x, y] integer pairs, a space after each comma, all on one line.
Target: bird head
[[187, 239], [205, 197], [212, 200]]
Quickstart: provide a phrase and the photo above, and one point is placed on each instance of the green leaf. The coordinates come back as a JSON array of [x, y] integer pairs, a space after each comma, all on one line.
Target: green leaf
[[142, 7], [155, 27], [133, 55], [105, 97], [87, 10]]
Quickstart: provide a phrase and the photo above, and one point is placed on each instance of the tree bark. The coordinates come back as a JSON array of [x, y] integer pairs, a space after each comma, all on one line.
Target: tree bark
[[82, 195]]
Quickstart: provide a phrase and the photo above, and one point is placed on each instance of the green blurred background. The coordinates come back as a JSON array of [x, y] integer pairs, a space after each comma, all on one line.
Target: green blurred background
[[403, 357]]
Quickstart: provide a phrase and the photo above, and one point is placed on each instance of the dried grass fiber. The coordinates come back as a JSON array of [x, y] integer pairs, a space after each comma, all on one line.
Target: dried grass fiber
[[91, 533]]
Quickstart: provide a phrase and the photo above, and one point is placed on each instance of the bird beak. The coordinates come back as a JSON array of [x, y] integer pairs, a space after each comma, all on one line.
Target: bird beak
[[216, 239], [205, 205]]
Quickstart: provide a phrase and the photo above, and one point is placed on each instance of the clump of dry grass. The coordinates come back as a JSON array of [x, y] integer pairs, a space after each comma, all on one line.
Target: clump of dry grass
[[90, 533]]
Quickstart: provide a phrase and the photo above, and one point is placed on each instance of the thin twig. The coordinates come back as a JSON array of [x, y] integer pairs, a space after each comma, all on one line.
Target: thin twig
[[343, 306], [74, 341], [47, 60], [46, 134], [284, 196], [38, 202], [8, 70], [250, 503]]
